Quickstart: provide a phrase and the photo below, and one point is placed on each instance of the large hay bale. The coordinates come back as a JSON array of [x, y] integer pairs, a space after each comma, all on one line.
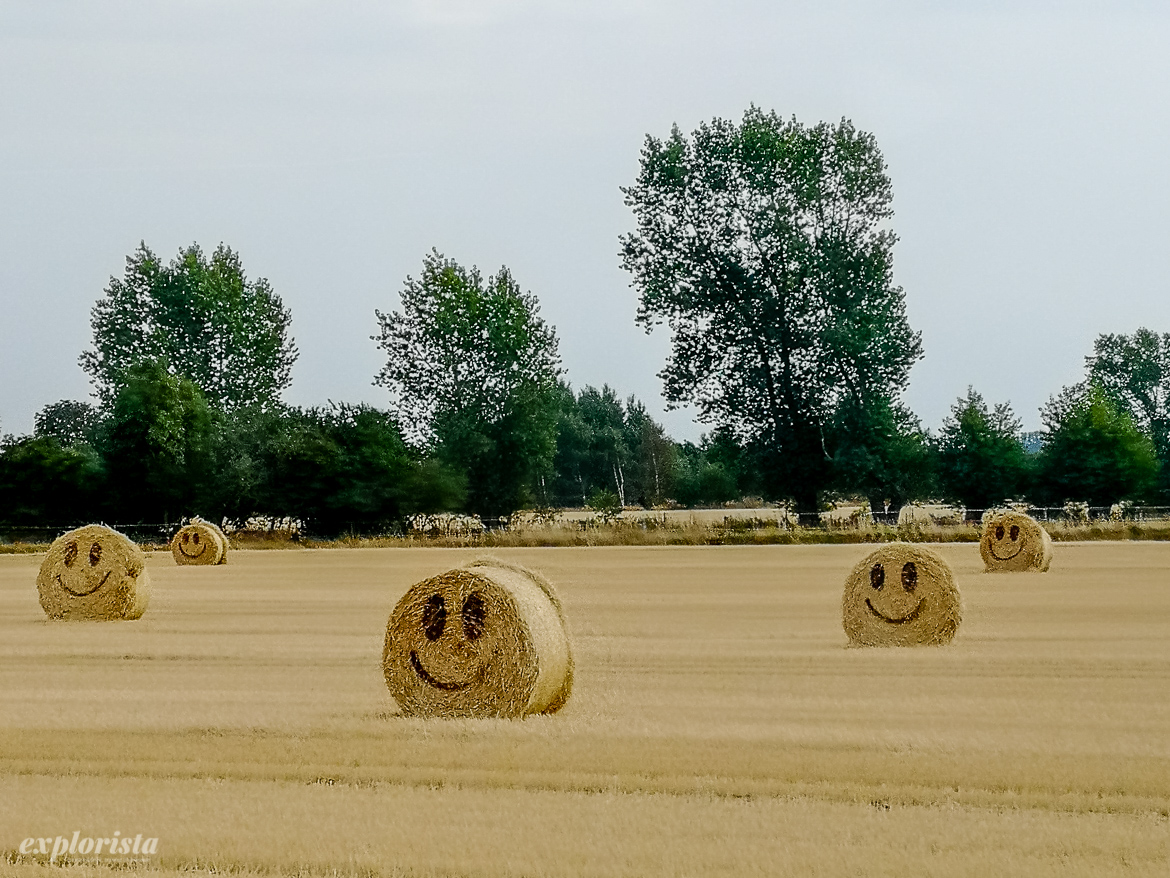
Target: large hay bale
[[901, 595], [94, 572], [488, 639], [1013, 541], [199, 542]]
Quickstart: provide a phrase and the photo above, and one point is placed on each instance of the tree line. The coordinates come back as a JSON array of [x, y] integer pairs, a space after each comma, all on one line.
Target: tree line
[[762, 246]]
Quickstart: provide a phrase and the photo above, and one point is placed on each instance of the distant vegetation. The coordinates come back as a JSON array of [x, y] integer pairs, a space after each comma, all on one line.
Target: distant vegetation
[[762, 246]]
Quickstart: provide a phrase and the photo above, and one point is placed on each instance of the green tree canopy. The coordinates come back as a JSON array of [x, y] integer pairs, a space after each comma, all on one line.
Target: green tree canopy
[[1093, 451], [763, 247], [158, 447], [1134, 370], [472, 373], [69, 422], [881, 452], [202, 318], [982, 461]]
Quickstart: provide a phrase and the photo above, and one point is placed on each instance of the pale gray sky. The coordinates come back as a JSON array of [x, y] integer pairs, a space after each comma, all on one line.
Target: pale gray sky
[[333, 144]]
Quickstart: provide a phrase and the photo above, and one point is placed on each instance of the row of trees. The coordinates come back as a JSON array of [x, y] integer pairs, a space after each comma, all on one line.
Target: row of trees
[[763, 246]]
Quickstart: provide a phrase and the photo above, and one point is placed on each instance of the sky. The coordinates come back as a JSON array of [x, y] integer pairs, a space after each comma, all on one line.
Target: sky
[[333, 145]]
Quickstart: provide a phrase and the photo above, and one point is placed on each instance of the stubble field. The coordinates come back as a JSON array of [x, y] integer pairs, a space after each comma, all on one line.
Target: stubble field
[[719, 725]]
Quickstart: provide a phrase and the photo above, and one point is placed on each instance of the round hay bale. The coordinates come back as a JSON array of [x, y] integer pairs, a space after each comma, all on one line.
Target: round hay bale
[[223, 541], [199, 542], [94, 572], [484, 640], [901, 595], [1013, 541]]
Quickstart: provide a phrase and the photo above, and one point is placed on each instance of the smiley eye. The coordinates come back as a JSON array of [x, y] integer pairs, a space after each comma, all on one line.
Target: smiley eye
[[999, 532], [186, 537], [1015, 532], [434, 617], [70, 554], [474, 612], [195, 538], [909, 576], [95, 554], [877, 576]]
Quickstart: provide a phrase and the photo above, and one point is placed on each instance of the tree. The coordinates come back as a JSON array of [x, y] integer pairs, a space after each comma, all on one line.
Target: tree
[[46, 483], [882, 453], [1093, 450], [202, 319], [982, 460], [762, 246], [69, 422], [1134, 371], [158, 446], [472, 373]]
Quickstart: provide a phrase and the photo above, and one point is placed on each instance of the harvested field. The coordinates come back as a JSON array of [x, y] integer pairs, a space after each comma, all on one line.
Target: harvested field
[[719, 725]]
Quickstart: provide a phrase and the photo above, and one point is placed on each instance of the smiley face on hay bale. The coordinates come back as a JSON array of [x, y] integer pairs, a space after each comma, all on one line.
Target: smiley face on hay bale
[[901, 595], [94, 572], [1013, 541], [199, 542], [485, 640]]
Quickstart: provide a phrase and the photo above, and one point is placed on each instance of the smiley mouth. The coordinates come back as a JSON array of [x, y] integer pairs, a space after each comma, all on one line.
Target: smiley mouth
[[910, 617], [431, 681], [197, 554], [991, 548], [81, 594]]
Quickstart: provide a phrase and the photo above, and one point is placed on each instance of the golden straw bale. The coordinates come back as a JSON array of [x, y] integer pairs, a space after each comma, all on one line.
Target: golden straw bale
[[94, 572], [1013, 541], [901, 595], [224, 542], [198, 542], [488, 639]]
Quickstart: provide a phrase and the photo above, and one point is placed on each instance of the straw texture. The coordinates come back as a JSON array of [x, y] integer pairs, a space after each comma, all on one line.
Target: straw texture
[[94, 572], [199, 542], [485, 640], [901, 595], [1014, 542]]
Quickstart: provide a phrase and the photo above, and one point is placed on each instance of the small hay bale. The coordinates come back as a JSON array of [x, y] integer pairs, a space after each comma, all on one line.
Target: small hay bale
[[94, 572], [901, 595], [223, 540], [1013, 541], [199, 542], [484, 640]]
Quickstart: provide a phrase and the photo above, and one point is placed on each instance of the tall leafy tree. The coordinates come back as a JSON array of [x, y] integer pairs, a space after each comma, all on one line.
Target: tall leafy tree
[[763, 246], [472, 372], [1134, 370], [1093, 451], [982, 460], [201, 318], [158, 447]]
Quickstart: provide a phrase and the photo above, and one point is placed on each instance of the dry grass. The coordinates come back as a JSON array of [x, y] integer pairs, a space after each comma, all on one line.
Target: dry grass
[[719, 725]]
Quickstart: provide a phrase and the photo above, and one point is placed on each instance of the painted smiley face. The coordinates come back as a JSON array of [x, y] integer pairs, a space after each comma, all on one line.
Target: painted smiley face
[[901, 595], [1005, 543], [199, 542], [484, 640], [1012, 541], [93, 572], [87, 578], [464, 635]]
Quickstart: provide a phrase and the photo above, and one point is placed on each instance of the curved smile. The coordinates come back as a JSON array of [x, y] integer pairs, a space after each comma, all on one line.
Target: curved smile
[[82, 594], [431, 681], [910, 617], [197, 554], [991, 548]]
